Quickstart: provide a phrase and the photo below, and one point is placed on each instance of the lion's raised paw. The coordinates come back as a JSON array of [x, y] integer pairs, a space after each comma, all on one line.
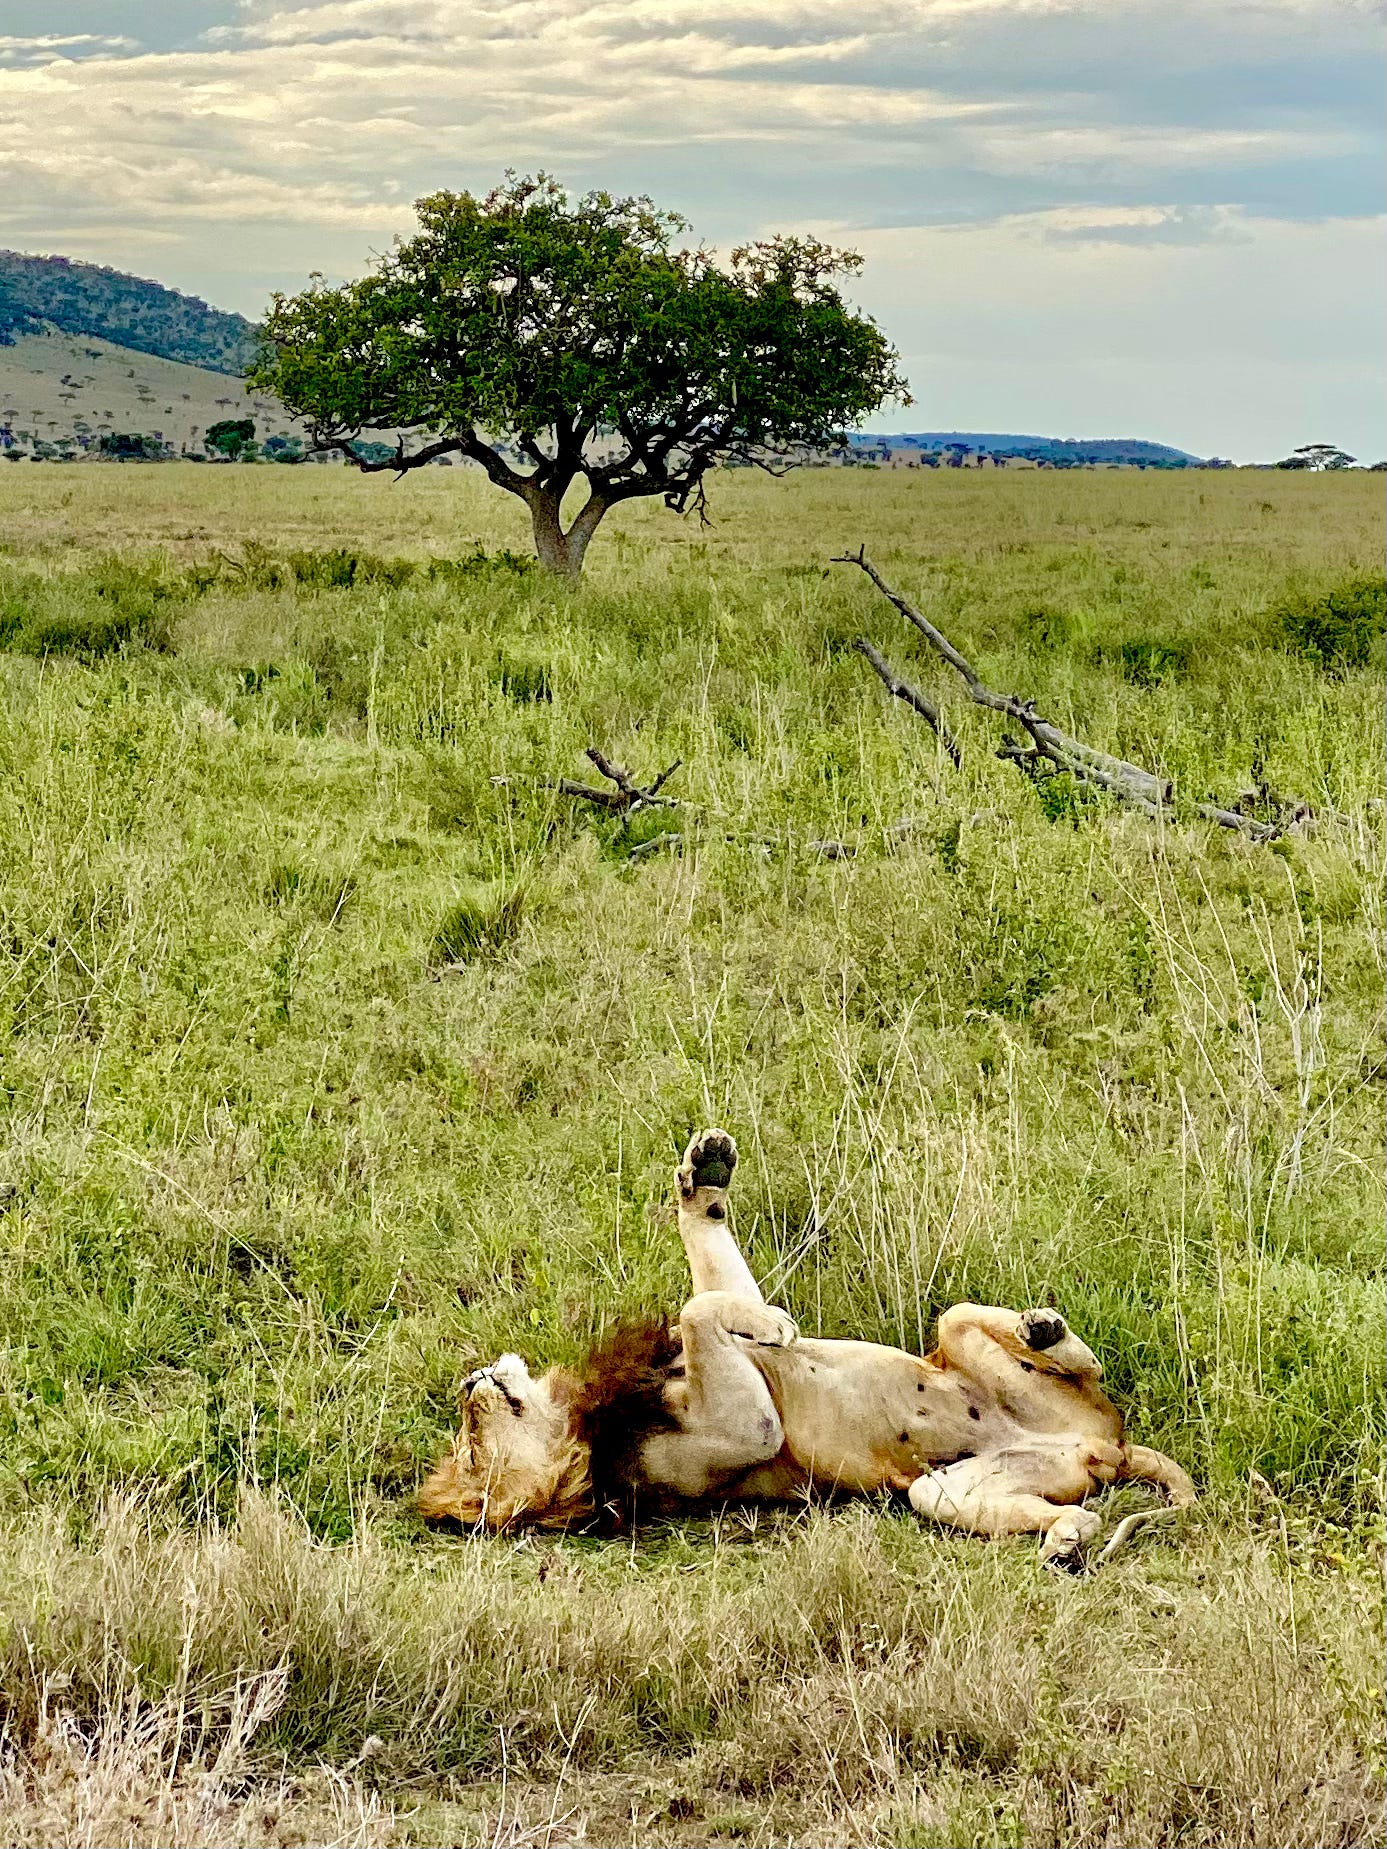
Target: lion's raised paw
[[1042, 1329], [708, 1163]]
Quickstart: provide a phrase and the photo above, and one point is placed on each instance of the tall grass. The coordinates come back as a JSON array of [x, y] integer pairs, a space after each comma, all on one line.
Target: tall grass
[[340, 1052]]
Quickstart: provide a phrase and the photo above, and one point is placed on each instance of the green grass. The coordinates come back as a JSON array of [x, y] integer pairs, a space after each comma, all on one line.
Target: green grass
[[340, 1053]]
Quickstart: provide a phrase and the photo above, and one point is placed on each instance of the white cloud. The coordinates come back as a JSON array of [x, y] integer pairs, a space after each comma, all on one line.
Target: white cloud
[[296, 138]]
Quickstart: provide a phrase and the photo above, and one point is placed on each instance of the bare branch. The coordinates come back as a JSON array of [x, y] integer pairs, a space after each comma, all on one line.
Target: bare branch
[[628, 796], [1129, 783], [664, 777], [604, 799], [653, 845], [614, 772], [912, 697]]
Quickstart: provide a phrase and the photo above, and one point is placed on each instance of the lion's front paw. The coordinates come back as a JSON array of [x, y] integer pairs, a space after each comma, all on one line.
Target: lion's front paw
[[1042, 1329], [765, 1325], [708, 1163]]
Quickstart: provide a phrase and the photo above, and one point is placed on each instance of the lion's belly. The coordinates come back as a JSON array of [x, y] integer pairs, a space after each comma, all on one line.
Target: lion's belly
[[859, 1417]]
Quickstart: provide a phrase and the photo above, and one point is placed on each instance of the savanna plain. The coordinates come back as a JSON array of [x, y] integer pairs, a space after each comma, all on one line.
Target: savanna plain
[[342, 1051]]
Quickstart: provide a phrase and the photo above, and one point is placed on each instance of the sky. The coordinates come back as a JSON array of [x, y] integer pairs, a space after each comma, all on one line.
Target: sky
[[1155, 218]]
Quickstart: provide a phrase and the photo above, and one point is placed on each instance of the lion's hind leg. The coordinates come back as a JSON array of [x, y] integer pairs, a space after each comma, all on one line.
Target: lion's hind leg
[[1034, 1487]]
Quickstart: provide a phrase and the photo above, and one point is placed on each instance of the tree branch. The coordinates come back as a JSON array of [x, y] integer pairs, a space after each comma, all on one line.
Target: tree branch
[[1129, 783], [628, 796], [912, 697], [400, 463]]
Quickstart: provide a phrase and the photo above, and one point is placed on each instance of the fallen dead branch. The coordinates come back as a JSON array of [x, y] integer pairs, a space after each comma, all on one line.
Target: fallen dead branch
[[625, 799], [628, 796], [912, 697], [654, 845], [830, 849], [1050, 750]]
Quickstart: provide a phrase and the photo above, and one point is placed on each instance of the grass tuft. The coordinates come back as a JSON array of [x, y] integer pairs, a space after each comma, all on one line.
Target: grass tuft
[[482, 923], [1338, 629]]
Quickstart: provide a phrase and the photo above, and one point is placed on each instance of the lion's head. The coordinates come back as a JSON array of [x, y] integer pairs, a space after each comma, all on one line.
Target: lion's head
[[515, 1457], [560, 1450]]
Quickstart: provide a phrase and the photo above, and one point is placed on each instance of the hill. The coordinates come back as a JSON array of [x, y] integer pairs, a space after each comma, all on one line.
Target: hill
[[84, 299], [1061, 450], [69, 391]]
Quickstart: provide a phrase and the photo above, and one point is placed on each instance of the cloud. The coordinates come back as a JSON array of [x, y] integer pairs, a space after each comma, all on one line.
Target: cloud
[[1231, 344], [43, 48], [293, 136]]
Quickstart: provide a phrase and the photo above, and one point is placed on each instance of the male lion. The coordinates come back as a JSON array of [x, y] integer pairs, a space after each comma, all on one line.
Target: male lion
[[1003, 1429]]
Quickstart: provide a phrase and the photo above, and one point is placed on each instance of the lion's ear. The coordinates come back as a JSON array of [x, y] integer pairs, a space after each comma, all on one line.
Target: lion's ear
[[450, 1494]]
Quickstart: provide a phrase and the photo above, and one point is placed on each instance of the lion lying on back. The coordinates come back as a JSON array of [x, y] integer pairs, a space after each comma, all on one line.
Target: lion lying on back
[[1003, 1429]]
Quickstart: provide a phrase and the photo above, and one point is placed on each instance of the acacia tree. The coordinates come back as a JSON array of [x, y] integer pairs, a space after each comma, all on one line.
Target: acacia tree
[[557, 341], [1318, 456]]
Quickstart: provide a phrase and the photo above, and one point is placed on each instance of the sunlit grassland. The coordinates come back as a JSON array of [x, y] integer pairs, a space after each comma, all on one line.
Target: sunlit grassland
[[340, 1053]]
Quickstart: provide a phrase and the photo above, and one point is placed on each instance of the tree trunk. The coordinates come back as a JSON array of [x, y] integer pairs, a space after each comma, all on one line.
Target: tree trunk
[[558, 551]]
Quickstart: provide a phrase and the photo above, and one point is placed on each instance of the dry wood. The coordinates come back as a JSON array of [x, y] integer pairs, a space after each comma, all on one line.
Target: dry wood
[[1129, 783], [628, 796], [654, 845], [912, 697]]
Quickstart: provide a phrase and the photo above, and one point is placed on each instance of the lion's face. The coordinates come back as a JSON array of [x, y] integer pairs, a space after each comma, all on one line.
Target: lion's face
[[514, 1459]]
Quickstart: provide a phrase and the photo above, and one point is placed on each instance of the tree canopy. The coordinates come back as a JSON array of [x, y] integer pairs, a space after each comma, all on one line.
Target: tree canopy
[[1318, 456], [232, 437], [556, 340]]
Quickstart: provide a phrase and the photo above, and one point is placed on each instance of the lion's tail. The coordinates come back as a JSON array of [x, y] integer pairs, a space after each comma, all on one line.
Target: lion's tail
[[1142, 1465]]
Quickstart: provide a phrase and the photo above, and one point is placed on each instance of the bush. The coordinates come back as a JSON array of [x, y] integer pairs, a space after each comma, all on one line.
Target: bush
[[479, 562], [115, 606], [1338, 630], [523, 680]]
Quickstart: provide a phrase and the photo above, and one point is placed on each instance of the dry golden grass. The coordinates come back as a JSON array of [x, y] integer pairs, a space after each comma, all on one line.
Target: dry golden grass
[[831, 1677]]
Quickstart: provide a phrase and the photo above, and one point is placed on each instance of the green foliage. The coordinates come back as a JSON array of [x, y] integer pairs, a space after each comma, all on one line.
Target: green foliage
[[479, 562], [231, 436], [1145, 661], [131, 447], [376, 453], [548, 322], [480, 924], [80, 298], [259, 568], [1339, 628], [522, 678], [118, 605], [1318, 456]]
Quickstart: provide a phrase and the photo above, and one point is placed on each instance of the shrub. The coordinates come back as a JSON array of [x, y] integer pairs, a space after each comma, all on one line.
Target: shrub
[[1144, 661], [339, 569], [114, 606], [479, 562], [525, 681], [1339, 629], [480, 924]]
